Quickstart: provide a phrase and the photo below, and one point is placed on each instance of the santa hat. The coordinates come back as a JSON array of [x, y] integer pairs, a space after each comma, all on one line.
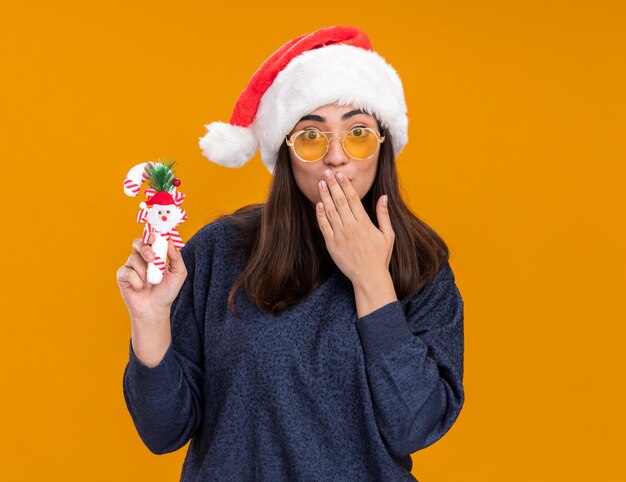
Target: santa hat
[[331, 65], [162, 198]]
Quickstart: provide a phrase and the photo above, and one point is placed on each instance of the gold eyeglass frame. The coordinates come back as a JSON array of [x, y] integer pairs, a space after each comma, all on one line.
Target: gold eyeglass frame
[[290, 141]]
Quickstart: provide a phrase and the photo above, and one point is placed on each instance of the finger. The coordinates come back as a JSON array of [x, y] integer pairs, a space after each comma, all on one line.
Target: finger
[[384, 221], [322, 220], [136, 262], [130, 276], [331, 213], [135, 281], [339, 198], [144, 250], [177, 264], [353, 198]]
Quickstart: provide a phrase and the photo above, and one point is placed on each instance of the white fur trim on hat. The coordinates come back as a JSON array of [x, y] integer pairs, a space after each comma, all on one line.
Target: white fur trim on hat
[[341, 74], [228, 145]]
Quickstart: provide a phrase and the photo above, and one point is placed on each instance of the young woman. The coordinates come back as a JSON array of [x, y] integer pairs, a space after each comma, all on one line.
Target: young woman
[[317, 336]]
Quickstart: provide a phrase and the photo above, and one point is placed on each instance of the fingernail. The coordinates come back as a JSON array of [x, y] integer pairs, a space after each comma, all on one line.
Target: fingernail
[[324, 186], [328, 174], [385, 200], [340, 176]]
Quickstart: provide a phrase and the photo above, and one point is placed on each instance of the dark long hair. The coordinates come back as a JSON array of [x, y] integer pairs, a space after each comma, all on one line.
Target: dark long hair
[[286, 251]]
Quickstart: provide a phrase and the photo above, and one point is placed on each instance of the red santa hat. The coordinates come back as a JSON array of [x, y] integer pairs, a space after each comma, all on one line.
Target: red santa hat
[[330, 65], [162, 198]]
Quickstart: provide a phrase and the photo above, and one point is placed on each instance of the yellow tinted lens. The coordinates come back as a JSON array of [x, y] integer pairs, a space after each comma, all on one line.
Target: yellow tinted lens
[[360, 143], [310, 145]]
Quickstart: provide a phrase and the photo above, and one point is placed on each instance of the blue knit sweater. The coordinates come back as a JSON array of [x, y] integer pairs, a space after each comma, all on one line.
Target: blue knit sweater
[[313, 394]]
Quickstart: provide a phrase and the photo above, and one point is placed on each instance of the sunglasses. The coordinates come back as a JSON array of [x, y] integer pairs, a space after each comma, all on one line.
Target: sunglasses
[[311, 145]]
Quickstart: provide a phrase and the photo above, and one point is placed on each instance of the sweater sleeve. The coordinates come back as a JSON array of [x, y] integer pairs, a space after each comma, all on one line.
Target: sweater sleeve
[[414, 364], [165, 401]]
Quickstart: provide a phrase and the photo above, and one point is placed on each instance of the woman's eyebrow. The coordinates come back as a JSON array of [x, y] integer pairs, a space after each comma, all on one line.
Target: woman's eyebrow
[[347, 115], [313, 117], [319, 118]]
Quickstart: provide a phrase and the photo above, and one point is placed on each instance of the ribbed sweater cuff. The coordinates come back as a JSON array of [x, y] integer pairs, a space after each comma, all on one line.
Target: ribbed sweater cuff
[[157, 381], [383, 329]]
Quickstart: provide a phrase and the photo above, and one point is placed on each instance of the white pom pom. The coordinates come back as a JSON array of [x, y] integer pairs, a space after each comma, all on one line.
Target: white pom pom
[[142, 205], [228, 145]]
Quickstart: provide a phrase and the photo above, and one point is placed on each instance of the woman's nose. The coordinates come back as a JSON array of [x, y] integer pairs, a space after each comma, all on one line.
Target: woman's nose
[[335, 154]]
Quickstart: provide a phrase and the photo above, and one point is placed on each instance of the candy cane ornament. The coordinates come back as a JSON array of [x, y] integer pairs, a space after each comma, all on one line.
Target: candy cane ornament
[[161, 213]]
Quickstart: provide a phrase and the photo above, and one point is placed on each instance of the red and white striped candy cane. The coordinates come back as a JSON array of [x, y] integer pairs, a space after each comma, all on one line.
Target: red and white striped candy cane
[[156, 268], [132, 186], [136, 177]]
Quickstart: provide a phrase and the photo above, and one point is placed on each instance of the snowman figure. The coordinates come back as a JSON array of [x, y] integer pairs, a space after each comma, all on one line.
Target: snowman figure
[[161, 213]]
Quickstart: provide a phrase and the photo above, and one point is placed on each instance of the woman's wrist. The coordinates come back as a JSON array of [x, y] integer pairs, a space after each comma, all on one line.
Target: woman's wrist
[[151, 336], [374, 293], [152, 316]]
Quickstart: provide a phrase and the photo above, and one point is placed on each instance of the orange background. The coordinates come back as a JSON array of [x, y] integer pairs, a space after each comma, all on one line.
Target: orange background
[[516, 156]]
